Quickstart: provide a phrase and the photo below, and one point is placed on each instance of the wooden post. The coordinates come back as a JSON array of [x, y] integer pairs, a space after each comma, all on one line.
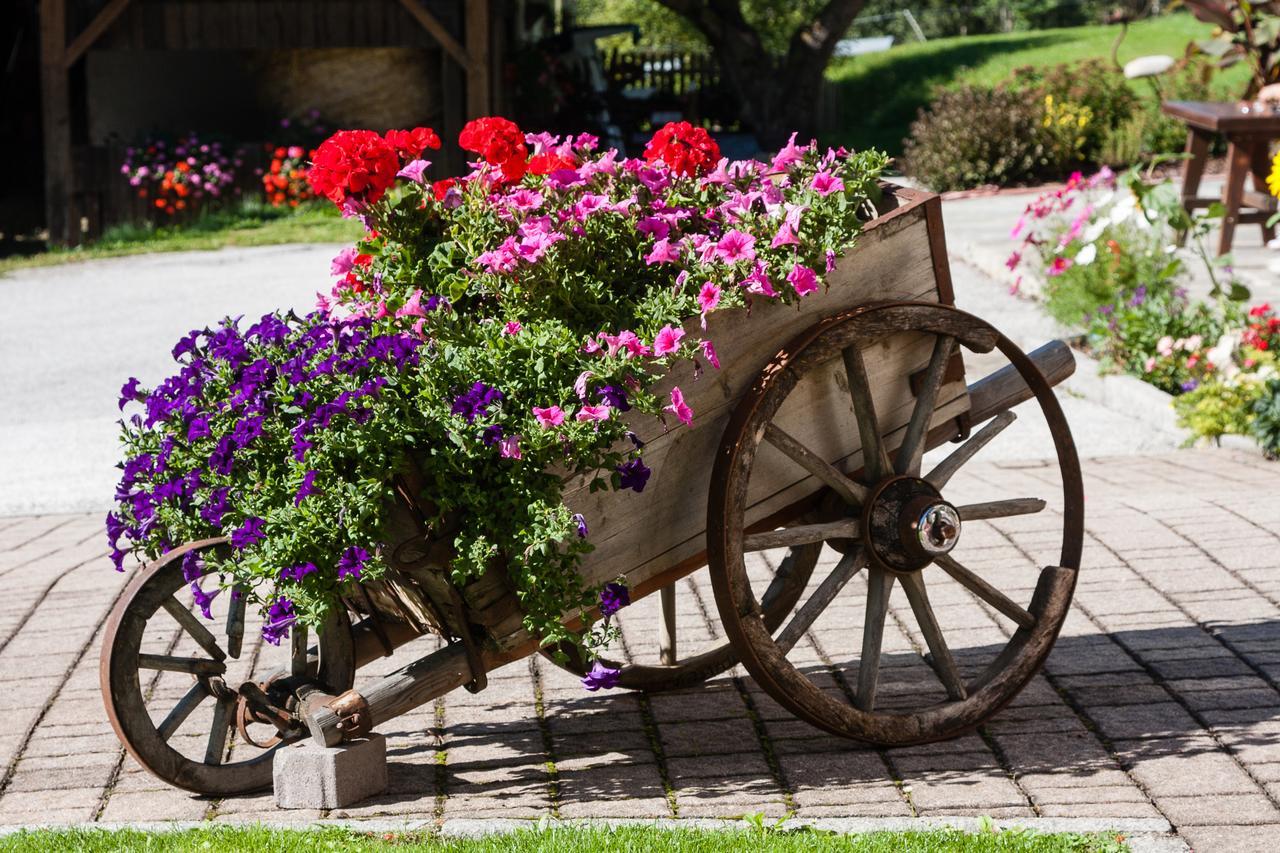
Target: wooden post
[[56, 113], [478, 54]]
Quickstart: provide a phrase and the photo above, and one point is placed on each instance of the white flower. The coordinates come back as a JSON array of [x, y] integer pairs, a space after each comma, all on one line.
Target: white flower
[[1094, 231], [1221, 354], [1124, 209], [1193, 343], [1164, 346], [1085, 256]]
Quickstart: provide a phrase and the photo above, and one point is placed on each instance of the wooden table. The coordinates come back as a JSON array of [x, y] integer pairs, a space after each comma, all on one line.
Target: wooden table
[[1249, 136]]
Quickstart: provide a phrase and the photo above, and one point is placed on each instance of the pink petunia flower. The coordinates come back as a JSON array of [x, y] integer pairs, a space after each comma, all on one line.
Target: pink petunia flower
[[667, 341], [663, 252], [580, 384], [758, 282], [1014, 260], [824, 183], [525, 199], [513, 327], [708, 299], [831, 261], [803, 279], [415, 171], [510, 447], [551, 416], [593, 413], [678, 407], [788, 155], [1059, 266], [412, 306], [344, 262], [784, 237], [709, 351], [654, 226], [736, 246]]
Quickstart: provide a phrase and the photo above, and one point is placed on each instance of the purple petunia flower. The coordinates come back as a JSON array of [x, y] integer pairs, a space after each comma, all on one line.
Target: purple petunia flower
[[248, 533], [613, 598], [352, 561], [298, 572], [222, 459], [475, 402], [191, 566], [615, 396], [280, 616], [129, 393], [601, 676], [198, 428], [580, 520], [307, 488], [115, 528], [1190, 385], [216, 507], [187, 344], [246, 430], [634, 474], [203, 599], [492, 435]]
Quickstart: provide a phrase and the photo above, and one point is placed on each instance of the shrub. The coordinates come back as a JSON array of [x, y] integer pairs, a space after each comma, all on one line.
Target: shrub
[[1266, 419], [1090, 88], [976, 135], [1217, 408]]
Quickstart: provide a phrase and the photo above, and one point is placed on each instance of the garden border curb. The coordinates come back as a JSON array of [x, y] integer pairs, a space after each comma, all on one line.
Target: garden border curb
[[1144, 835]]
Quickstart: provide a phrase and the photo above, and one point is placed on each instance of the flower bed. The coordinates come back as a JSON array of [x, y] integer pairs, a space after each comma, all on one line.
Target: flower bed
[[489, 331], [1106, 249], [181, 175]]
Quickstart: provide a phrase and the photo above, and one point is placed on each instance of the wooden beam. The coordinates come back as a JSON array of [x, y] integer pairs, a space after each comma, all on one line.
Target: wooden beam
[[55, 108], [432, 25], [93, 32], [479, 48]]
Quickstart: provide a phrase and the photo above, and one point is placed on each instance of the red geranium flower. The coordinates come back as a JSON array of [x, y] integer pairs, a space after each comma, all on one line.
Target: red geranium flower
[[548, 162], [441, 188], [354, 164], [410, 144], [687, 150], [500, 142]]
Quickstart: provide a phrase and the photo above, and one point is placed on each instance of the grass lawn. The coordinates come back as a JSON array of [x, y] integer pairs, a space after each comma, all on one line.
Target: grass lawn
[[879, 94], [575, 839], [248, 224]]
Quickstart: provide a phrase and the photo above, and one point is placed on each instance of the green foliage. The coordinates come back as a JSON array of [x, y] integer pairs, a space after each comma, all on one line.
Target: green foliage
[[660, 27], [1266, 418], [550, 836], [1218, 408], [975, 135]]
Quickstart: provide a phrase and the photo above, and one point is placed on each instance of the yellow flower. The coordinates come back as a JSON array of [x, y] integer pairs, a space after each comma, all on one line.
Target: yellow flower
[[1273, 179]]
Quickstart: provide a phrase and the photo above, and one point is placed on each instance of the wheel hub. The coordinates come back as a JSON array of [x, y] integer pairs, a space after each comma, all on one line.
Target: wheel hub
[[908, 524]]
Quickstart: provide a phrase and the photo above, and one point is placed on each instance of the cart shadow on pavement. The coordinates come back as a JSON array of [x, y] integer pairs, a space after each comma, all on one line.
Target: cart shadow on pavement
[[1104, 703]]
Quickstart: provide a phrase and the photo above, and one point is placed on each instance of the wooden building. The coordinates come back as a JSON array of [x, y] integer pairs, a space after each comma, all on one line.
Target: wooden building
[[111, 68]]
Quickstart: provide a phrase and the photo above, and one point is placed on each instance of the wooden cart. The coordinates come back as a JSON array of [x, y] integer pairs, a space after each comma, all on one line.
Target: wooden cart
[[812, 433]]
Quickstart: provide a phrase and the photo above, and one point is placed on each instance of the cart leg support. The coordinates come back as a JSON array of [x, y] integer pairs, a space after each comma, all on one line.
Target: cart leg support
[[308, 776], [332, 720]]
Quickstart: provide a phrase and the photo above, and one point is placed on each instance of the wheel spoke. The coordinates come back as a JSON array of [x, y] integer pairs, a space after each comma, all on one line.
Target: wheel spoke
[[1000, 509], [235, 623], [298, 649], [947, 468], [912, 448], [875, 460], [188, 703], [805, 534], [192, 626], [879, 586], [218, 734], [986, 591], [852, 492], [667, 627], [830, 587], [171, 663], [943, 664]]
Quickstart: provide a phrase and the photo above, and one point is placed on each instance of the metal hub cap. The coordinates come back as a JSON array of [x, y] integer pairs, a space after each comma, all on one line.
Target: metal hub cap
[[938, 528]]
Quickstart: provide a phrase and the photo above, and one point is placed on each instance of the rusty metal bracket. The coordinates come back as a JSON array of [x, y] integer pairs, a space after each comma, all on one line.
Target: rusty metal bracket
[[355, 719], [254, 706]]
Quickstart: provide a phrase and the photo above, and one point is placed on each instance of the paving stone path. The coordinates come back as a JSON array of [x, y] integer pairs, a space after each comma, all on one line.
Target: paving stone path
[[1160, 700]]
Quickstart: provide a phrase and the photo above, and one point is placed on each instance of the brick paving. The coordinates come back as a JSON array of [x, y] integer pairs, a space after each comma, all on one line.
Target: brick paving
[[1160, 700]]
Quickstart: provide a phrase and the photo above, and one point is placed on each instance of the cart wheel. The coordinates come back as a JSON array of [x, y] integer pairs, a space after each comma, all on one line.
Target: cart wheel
[[673, 672], [178, 695], [903, 532]]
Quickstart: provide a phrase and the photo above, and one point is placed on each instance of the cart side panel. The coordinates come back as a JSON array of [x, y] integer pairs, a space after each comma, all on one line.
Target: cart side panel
[[642, 536]]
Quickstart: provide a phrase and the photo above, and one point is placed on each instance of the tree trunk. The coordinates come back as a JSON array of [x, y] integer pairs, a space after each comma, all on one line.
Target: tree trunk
[[776, 96]]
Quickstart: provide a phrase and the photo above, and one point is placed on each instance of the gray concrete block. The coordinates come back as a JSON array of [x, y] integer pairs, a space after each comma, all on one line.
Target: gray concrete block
[[310, 777]]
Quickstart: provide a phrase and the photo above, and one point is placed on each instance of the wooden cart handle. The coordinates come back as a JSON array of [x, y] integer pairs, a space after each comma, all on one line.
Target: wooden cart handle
[[1005, 389]]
